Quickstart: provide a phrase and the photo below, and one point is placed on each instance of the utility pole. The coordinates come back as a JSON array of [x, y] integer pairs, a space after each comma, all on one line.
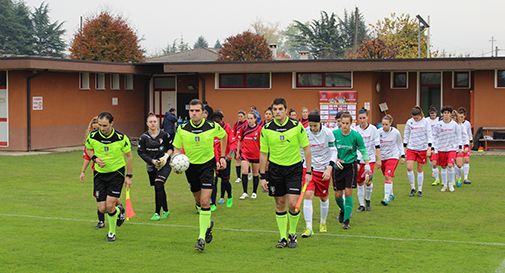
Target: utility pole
[[496, 52], [428, 51], [492, 45], [356, 14]]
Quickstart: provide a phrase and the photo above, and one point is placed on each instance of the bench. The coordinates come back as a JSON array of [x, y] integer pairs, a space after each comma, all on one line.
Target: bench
[[493, 136]]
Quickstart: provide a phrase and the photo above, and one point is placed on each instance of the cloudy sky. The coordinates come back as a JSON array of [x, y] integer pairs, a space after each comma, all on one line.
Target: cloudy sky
[[457, 26]]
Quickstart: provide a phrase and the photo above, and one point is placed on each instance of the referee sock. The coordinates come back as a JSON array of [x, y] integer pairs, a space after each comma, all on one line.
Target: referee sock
[[245, 180], [293, 222], [204, 222], [101, 216], [256, 182], [282, 223], [307, 213], [112, 220], [340, 203], [348, 208]]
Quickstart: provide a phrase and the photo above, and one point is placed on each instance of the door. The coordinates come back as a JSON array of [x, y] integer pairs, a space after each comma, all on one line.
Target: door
[[163, 95], [430, 90], [4, 110]]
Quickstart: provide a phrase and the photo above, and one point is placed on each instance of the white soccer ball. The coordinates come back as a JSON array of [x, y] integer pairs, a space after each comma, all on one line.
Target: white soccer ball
[[179, 163]]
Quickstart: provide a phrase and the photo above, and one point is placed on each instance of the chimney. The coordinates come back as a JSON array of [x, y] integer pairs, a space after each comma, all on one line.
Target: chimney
[[273, 49], [304, 55]]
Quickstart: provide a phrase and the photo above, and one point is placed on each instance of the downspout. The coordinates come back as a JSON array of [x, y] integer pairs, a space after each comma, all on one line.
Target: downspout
[[29, 108], [202, 79]]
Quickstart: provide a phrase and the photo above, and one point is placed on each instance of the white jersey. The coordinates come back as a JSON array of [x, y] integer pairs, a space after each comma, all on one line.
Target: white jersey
[[468, 130], [391, 144], [322, 148], [417, 135], [371, 139], [448, 136], [464, 136], [432, 123]]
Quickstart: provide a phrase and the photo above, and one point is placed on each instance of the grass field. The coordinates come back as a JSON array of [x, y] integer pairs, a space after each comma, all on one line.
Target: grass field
[[48, 225]]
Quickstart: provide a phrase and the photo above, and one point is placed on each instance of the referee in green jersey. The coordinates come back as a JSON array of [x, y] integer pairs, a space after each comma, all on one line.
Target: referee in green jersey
[[108, 147], [196, 137], [280, 143]]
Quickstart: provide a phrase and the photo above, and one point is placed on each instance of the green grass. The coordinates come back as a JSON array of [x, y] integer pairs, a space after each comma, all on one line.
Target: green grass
[[48, 217]]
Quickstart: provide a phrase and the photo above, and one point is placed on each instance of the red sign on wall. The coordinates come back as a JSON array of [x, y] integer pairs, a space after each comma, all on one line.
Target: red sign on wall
[[332, 102]]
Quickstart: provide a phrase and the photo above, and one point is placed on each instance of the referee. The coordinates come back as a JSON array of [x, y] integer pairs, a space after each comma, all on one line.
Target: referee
[[280, 143], [108, 148], [196, 137]]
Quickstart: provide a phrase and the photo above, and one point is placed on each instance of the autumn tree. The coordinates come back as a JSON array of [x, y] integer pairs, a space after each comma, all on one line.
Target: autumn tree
[[245, 46], [373, 49], [106, 38]]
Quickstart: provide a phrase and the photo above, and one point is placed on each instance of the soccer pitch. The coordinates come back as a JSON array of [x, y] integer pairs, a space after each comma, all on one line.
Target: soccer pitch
[[48, 225]]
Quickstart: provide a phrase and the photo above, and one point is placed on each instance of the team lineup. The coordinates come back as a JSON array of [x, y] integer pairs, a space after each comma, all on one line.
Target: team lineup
[[292, 159]]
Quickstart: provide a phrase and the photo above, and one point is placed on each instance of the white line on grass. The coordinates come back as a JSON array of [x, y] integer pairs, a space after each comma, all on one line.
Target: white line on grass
[[502, 266]]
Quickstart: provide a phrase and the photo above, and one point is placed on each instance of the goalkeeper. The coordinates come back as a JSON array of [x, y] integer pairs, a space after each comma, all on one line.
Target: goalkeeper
[[155, 148]]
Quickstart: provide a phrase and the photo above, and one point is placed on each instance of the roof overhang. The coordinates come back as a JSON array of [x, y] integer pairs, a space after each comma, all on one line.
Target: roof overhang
[[438, 64]]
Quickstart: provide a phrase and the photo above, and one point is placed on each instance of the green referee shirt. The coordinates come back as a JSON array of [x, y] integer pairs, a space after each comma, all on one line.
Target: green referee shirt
[[283, 141], [110, 149], [347, 145], [198, 140]]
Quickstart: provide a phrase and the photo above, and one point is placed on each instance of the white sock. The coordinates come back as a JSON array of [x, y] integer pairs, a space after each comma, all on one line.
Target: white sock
[[434, 172], [307, 213], [457, 172], [368, 192], [420, 178], [324, 211], [410, 175], [361, 195], [444, 176], [388, 190], [450, 173], [466, 170]]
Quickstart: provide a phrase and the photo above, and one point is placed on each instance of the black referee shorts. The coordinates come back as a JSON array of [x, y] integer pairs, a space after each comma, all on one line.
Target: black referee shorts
[[344, 178], [108, 184], [284, 180], [201, 176]]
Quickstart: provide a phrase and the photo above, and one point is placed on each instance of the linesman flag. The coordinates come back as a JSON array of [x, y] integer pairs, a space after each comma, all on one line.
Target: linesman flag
[[130, 213]]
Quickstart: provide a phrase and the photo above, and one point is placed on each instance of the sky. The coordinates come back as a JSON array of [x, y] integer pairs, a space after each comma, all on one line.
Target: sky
[[458, 27]]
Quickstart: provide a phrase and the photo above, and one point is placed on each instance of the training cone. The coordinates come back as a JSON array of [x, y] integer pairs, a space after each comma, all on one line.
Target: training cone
[[130, 213]]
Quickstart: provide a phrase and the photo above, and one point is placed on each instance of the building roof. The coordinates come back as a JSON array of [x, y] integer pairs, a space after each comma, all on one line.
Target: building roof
[[194, 55], [281, 66]]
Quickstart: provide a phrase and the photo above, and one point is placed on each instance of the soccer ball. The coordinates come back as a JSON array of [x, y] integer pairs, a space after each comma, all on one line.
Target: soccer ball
[[179, 163]]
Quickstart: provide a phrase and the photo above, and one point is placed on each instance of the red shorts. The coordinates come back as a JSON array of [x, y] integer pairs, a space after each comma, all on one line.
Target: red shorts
[[317, 185], [463, 154], [445, 158], [389, 167], [361, 178], [434, 157], [419, 156]]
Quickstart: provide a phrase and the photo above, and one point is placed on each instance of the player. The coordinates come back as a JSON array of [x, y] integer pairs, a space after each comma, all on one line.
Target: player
[[241, 122], [466, 156], [108, 148], [280, 142], [391, 152], [417, 140], [292, 114], [348, 142], [459, 170], [196, 137], [249, 146], [224, 174], [447, 141], [305, 117], [155, 148], [324, 156], [268, 116], [433, 119], [371, 139]]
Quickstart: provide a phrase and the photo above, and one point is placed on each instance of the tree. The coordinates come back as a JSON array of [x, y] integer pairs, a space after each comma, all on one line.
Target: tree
[[182, 46], [47, 35], [322, 37], [270, 31], [374, 49], [201, 43], [291, 45], [400, 33], [16, 30], [353, 29], [245, 46], [106, 38], [218, 44]]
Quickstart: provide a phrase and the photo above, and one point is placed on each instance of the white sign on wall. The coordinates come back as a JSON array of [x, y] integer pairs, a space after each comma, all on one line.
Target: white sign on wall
[[37, 103], [115, 101]]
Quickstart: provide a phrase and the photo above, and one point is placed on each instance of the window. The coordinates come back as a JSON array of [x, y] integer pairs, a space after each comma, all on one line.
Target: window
[[399, 80], [500, 79], [84, 80], [100, 81], [164, 83], [114, 81], [324, 79], [460, 80], [244, 80], [3, 80], [128, 82]]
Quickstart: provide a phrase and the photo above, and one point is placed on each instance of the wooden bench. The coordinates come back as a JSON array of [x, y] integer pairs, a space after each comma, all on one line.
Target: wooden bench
[[489, 140]]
